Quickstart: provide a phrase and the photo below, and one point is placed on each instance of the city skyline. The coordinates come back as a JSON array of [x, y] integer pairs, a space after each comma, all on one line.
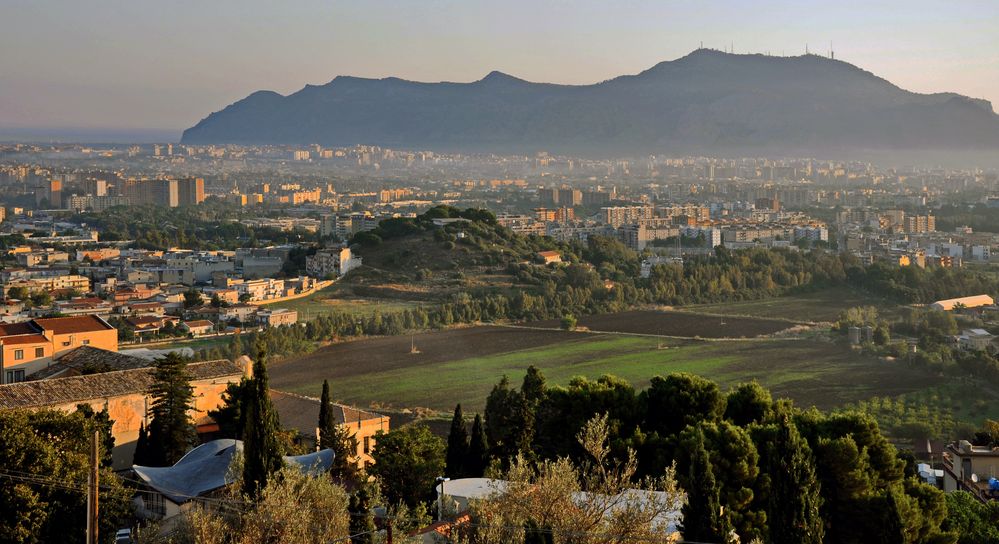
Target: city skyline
[[149, 72]]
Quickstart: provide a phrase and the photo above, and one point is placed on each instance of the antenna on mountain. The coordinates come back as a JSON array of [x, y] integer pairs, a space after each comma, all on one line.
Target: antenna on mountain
[[806, 48], [702, 45], [832, 54]]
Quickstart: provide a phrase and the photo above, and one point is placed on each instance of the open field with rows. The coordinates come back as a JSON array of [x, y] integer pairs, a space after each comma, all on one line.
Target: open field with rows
[[686, 324], [823, 305], [461, 365]]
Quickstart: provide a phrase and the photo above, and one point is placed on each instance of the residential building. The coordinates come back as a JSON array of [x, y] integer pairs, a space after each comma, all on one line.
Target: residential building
[[125, 394], [205, 470], [198, 327], [302, 413], [28, 346], [50, 283], [969, 468], [550, 257], [974, 340], [277, 317], [190, 191], [333, 263]]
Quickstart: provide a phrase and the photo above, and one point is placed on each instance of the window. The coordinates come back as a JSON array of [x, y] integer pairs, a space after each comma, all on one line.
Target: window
[[86, 342], [155, 504], [367, 444], [15, 376], [39, 352], [18, 354], [66, 343]]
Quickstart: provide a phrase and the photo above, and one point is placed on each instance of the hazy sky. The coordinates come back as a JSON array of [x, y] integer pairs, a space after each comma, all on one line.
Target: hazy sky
[[137, 64]]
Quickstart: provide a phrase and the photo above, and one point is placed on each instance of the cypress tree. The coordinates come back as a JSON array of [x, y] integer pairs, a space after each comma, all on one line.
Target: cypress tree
[[533, 389], [478, 451], [325, 412], [171, 432], [261, 448], [793, 513], [457, 445], [336, 437], [702, 516], [141, 455]]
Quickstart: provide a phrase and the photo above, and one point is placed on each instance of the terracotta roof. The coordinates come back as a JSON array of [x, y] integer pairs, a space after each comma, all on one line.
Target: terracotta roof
[[199, 323], [11, 329], [89, 360], [151, 320], [41, 393], [69, 325], [302, 413], [25, 339]]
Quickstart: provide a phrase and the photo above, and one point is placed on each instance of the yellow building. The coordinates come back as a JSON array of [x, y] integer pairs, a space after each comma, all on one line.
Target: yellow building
[[124, 393], [30, 346]]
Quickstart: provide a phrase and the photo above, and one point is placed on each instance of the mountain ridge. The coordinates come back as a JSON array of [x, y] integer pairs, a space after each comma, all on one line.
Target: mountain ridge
[[705, 101]]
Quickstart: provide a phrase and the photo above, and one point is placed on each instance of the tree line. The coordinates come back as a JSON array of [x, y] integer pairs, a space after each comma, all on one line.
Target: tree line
[[750, 466]]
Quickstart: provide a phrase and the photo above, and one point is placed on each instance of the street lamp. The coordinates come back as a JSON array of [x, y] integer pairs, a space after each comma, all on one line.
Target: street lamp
[[440, 495]]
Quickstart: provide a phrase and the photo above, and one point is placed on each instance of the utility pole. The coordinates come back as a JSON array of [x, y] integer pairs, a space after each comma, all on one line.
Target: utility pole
[[92, 490]]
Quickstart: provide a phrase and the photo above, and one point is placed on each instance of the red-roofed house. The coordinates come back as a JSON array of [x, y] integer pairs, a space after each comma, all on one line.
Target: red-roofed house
[[29, 346], [198, 327]]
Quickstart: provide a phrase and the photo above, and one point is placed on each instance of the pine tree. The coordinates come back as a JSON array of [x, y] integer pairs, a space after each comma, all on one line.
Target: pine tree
[[261, 447], [478, 451], [171, 432], [141, 455], [702, 516], [457, 445], [336, 437], [793, 513]]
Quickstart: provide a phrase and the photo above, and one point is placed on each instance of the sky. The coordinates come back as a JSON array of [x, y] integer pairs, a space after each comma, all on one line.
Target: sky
[[151, 69]]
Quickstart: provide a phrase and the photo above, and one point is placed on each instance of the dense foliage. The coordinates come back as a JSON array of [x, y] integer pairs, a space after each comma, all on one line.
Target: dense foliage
[[212, 225], [779, 473], [44, 460]]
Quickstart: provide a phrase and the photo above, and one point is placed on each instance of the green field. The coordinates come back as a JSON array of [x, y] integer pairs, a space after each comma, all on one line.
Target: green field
[[332, 299], [811, 372], [824, 305]]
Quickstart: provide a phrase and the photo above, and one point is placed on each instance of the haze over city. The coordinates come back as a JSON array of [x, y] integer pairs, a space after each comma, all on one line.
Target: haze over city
[[146, 71], [461, 272]]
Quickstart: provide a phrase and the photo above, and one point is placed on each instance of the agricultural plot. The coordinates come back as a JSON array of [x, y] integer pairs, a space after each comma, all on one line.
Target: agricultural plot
[[824, 305], [685, 324], [462, 365]]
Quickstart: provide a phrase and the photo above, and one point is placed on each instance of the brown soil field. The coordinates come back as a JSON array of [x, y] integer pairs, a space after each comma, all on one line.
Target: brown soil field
[[684, 324]]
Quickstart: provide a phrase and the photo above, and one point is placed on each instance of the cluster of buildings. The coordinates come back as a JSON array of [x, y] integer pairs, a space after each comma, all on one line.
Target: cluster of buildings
[[97, 194], [644, 225]]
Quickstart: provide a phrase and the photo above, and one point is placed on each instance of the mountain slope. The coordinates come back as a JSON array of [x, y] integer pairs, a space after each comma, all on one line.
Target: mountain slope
[[705, 101]]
